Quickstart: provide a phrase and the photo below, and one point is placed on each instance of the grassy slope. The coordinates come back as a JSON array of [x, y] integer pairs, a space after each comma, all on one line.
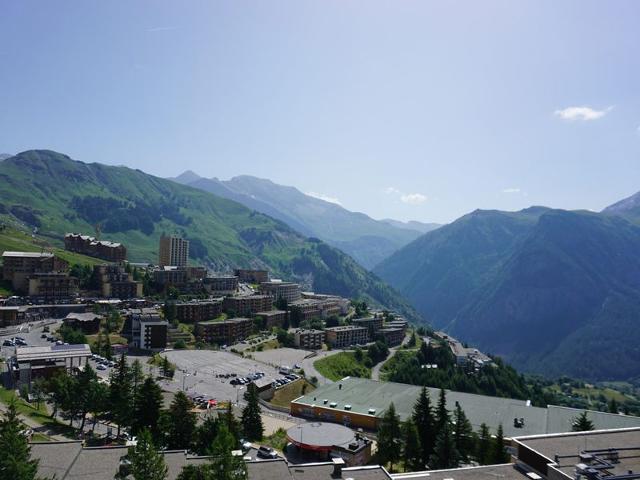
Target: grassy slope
[[340, 365], [46, 183]]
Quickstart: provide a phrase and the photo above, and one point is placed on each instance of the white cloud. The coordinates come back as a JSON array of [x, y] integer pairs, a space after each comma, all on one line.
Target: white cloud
[[413, 198], [581, 113], [511, 190], [326, 198], [392, 190]]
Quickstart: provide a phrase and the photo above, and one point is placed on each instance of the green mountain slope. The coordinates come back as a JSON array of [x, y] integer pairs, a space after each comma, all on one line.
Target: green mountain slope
[[552, 291], [48, 190], [367, 240]]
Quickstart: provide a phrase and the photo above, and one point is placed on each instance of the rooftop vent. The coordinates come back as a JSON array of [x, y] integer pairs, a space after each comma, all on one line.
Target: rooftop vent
[[371, 411], [325, 401], [347, 407], [333, 404]]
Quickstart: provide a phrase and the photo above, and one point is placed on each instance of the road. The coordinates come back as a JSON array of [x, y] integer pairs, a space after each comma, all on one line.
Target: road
[[310, 369], [375, 371]]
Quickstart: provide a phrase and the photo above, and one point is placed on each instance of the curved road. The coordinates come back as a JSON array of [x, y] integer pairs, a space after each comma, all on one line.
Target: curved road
[[310, 369], [375, 371]]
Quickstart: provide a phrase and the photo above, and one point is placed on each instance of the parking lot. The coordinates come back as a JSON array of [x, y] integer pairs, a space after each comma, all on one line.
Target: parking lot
[[200, 371], [281, 356], [32, 337]]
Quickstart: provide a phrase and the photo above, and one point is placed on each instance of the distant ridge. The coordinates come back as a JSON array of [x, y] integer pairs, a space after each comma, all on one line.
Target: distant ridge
[[367, 240]]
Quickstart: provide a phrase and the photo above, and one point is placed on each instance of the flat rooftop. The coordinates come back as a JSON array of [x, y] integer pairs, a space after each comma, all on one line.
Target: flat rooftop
[[227, 321], [574, 443], [491, 472], [364, 394], [26, 354], [321, 434], [27, 254]]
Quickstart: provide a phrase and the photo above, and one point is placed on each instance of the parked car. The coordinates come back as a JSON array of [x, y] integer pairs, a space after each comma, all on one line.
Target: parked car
[[267, 452], [100, 366], [246, 445], [8, 343]]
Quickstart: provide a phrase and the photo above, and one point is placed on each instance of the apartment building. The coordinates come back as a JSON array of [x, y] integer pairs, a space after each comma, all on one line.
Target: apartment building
[[228, 331], [273, 318], [247, 304], [372, 324], [110, 251], [329, 302], [392, 336], [115, 282], [251, 276], [221, 285], [309, 339], [174, 251], [345, 336], [276, 289], [88, 323], [53, 286], [198, 311], [305, 309], [146, 330], [183, 278], [17, 267]]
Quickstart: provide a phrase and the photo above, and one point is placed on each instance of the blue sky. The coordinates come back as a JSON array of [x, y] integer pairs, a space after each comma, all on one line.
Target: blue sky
[[404, 109]]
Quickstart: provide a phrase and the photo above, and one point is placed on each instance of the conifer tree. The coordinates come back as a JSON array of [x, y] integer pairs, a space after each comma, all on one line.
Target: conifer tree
[[411, 452], [389, 437], [148, 403], [463, 435], [120, 394], [445, 454], [15, 454], [484, 445], [498, 452], [442, 414], [251, 420], [582, 423], [425, 423], [224, 465], [181, 422], [146, 462]]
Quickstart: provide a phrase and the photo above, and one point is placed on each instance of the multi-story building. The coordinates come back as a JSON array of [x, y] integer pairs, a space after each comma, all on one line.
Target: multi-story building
[[286, 290], [304, 309], [309, 339], [88, 323], [185, 279], [115, 282], [345, 336], [198, 311], [146, 330], [17, 267], [251, 276], [224, 332], [174, 252], [53, 286], [273, 318], [221, 285], [392, 336], [372, 324], [330, 301], [247, 304], [111, 251]]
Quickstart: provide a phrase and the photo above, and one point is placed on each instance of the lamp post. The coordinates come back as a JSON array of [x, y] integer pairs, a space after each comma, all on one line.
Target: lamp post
[[184, 377]]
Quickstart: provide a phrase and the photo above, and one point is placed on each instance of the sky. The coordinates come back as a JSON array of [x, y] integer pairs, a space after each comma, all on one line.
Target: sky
[[413, 110]]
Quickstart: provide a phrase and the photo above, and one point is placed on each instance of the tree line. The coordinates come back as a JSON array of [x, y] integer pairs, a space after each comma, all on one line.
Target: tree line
[[434, 438]]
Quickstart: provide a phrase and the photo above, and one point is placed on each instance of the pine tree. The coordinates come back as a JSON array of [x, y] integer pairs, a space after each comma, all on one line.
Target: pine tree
[[251, 420], [137, 377], [613, 406], [484, 445], [442, 414], [233, 425], [120, 394], [206, 433], [146, 462], [462, 434], [581, 423], [445, 454], [389, 437], [148, 403], [181, 422], [498, 452], [224, 465], [425, 423], [411, 453], [15, 453]]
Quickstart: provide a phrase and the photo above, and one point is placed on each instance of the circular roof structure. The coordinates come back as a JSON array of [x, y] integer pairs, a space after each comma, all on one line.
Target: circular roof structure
[[319, 436]]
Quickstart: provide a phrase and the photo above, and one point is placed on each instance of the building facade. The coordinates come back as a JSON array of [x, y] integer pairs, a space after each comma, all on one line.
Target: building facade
[[251, 276], [174, 252], [53, 286], [309, 339], [247, 304], [345, 336], [228, 331], [17, 267], [286, 290], [221, 285], [110, 251], [273, 318], [198, 311]]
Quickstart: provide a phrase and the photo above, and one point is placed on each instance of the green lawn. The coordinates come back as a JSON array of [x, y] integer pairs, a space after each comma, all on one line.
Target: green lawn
[[277, 440], [340, 365], [40, 415]]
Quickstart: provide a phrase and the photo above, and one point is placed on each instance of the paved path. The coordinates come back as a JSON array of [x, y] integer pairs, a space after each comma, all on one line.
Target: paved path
[[375, 371], [310, 369]]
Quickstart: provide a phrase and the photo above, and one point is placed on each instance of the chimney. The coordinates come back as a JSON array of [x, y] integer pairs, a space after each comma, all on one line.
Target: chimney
[[338, 465]]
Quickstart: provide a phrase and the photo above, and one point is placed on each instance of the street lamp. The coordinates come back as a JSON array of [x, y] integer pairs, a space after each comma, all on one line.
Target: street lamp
[[184, 377]]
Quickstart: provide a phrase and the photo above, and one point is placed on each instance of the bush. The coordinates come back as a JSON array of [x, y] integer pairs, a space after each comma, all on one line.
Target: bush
[[180, 344]]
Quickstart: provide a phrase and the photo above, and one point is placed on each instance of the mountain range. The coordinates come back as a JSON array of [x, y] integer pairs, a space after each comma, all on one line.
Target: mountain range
[[51, 192], [553, 291], [367, 240]]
